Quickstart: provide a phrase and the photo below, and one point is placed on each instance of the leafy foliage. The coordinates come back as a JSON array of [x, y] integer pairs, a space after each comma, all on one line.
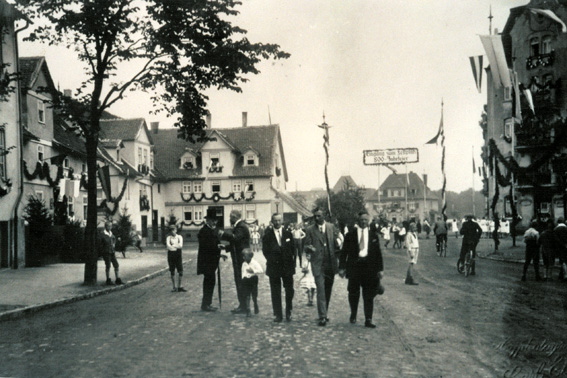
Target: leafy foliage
[[345, 206], [122, 230], [38, 217]]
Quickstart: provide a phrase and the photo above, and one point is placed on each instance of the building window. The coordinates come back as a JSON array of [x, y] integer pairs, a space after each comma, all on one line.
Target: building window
[[546, 45], [198, 213], [250, 211], [39, 195], [507, 93], [139, 155], [187, 163], [66, 163], [534, 46], [145, 156], [187, 213], [215, 159], [118, 154], [237, 208], [249, 185], [84, 167], [2, 151], [85, 204], [127, 194], [151, 160], [215, 186], [70, 207], [158, 188], [40, 154], [40, 111], [198, 187], [508, 129], [236, 186], [250, 160], [186, 186]]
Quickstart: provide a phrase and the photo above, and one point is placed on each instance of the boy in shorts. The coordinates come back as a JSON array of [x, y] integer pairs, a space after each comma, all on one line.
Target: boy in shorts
[[250, 270], [174, 243]]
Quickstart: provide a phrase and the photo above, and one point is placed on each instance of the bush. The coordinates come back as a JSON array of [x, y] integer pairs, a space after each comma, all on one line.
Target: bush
[[122, 230], [73, 251]]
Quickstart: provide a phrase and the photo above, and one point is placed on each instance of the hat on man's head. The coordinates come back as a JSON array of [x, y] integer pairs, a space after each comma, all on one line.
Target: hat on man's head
[[172, 227], [211, 214]]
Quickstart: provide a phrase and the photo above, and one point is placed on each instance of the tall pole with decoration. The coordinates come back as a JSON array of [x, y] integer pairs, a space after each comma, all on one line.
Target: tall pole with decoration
[[440, 138], [326, 145]]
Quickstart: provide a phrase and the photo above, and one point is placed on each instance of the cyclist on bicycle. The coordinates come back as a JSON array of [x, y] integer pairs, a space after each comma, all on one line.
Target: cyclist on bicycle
[[471, 232], [440, 230]]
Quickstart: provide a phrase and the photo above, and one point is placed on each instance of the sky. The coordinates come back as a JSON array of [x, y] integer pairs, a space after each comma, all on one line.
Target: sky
[[379, 71]]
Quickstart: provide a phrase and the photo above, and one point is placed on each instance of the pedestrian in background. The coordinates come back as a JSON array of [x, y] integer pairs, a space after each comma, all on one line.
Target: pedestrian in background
[[402, 235], [174, 243], [426, 228], [386, 235], [496, 231], [138, 241], [361, 263], [239, 238], [107, 242], [307, 282], [255, 236], [396, 232], [560, 232], [208, 257], [419, 228], [322, 246], [412, 244], [298, 236], [277, 247], [250, 270], [531, 237], [548, 245], [471, 232], [440, 231]]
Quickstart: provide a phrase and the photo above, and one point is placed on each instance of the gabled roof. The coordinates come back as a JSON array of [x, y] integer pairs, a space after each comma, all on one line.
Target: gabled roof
[[293, 203], [214, 133], [344, 182], [30, 68], [64, 136], [398, 181], [169, 150], [124, 129]]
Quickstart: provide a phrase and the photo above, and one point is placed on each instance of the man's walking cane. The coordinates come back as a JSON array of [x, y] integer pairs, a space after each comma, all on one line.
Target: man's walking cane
[[219, 287]]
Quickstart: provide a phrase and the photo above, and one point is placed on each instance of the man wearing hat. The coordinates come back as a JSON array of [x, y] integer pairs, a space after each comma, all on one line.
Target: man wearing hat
[[208, 258], [239, 238], [174, 243], [471, 232], [361, 262]]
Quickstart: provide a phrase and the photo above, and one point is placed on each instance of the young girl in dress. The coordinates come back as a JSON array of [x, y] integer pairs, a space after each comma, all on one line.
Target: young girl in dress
[[307, 282]]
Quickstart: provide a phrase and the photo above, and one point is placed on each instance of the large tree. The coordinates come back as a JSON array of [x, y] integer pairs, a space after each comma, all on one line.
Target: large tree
[[345, 206], [182, 48]]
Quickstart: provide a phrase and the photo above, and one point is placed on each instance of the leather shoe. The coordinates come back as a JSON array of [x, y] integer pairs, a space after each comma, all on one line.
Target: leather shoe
[[278, 320], [288, 315], [352, 319], [369, 324], [238, 310], [323, 322], [208, 308]]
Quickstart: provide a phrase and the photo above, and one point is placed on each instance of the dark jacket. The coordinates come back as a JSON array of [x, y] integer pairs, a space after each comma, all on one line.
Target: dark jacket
[[239, 238], [106, 244], [279, 259], [209, 253], [471, 232], [349, 253]]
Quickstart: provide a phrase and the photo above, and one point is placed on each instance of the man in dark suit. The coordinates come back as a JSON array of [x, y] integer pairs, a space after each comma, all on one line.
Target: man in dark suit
[[208, 258], [361, 262], [321, 248], [106, 243], [239, 238], [278, 249]]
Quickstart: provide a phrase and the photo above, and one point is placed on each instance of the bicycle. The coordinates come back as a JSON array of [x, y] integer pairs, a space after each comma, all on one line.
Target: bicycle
[[467, 265], [443, 248]]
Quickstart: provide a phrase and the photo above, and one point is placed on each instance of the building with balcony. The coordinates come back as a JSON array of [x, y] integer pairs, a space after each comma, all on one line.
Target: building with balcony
[[525, 140]]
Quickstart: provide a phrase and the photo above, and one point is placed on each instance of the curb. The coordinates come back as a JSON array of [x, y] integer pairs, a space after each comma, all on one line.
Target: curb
[[20, 312], [489, 257]]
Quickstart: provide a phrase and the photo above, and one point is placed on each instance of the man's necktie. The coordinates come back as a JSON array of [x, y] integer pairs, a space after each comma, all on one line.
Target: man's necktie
[[278, 232], [362, 243]]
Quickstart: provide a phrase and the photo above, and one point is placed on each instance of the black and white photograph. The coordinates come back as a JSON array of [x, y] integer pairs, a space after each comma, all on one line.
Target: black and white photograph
[[299, 188]]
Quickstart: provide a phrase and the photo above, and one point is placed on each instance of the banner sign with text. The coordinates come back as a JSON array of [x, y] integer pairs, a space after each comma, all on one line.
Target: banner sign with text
[[391, 156]]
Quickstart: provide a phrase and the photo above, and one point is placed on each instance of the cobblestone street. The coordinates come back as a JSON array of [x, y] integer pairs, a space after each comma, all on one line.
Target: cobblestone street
[[487, 325]]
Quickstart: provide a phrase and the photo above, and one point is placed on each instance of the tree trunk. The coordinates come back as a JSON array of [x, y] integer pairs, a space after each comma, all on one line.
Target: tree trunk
[[91, 250]]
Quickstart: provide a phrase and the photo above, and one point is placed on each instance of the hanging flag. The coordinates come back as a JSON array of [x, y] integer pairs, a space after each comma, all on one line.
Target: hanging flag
[[516, 104], [549, 13], [104, 177], [528, 94], [62, 189], [440, 138], [497, 60], [58, 159], [76, 188], [476, 64], [440, 133]]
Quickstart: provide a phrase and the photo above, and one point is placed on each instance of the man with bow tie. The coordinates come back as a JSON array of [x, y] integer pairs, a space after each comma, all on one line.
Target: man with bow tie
[[361, 262], [277, 246], [321, 247]]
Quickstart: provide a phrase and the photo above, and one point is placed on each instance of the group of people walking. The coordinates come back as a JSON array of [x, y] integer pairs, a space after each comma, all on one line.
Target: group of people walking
[[357, 257]]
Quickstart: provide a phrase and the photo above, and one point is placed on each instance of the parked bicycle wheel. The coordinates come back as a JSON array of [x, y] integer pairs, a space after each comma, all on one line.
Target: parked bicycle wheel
[[468, 263]]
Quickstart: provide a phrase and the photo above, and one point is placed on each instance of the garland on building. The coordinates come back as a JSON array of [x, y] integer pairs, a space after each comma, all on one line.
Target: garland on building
[[42, 172], [113, 200], [202, 223], [216, 197], [7, 188]]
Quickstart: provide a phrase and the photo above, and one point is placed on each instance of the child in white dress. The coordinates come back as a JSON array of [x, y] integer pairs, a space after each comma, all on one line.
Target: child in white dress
[[307, 282]]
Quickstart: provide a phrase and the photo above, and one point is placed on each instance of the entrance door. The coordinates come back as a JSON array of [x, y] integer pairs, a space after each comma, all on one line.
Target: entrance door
[[219, 210], [155, 230], [144, 226]]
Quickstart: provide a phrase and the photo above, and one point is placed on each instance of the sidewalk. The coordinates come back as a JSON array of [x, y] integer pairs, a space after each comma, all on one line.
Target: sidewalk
[[28, 290], [506, 252]]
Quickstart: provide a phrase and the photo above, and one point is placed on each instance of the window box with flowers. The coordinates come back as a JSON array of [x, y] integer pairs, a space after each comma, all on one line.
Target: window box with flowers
[[144, 203]]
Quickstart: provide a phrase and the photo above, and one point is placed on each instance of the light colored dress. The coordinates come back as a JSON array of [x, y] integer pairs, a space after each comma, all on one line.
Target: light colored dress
[[307, 281], [412, 244]]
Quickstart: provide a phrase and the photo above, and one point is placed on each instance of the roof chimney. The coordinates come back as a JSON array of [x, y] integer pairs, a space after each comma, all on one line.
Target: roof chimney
[[155, 127], [67, 93], [208, 120], [244, 119]]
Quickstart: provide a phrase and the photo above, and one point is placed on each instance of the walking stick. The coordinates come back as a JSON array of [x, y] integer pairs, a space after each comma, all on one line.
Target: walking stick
[[219, 287]]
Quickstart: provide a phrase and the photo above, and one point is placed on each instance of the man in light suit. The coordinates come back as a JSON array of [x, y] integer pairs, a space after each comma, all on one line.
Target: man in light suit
[[321, 247], [278, 248], [239, 239], [361, 262]]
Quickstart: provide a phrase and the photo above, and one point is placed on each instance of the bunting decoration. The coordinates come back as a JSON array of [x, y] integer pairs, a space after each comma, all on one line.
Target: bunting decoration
[[326, 144], [476, 65], [440, 139], [549, 14], [497, 60]]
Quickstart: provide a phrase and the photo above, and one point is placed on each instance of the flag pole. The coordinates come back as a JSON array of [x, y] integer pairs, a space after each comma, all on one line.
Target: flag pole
[[407, 179], [326, 145], [473, 206]]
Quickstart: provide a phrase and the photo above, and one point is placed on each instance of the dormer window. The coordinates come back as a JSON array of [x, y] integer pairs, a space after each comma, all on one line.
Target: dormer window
[[250, 159], [40, 153], [187, 162], [66, 163], [534, 46], [215, 159]]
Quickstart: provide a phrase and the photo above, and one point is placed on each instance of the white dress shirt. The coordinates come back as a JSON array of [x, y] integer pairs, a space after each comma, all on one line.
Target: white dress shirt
[[362, 232]]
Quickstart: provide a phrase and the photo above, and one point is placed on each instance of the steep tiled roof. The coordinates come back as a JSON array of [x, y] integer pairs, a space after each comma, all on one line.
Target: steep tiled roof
[[294, 204], [343, 182], [30, 67], [169, 150], [398, 181], [124, 129], [65, 137]]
